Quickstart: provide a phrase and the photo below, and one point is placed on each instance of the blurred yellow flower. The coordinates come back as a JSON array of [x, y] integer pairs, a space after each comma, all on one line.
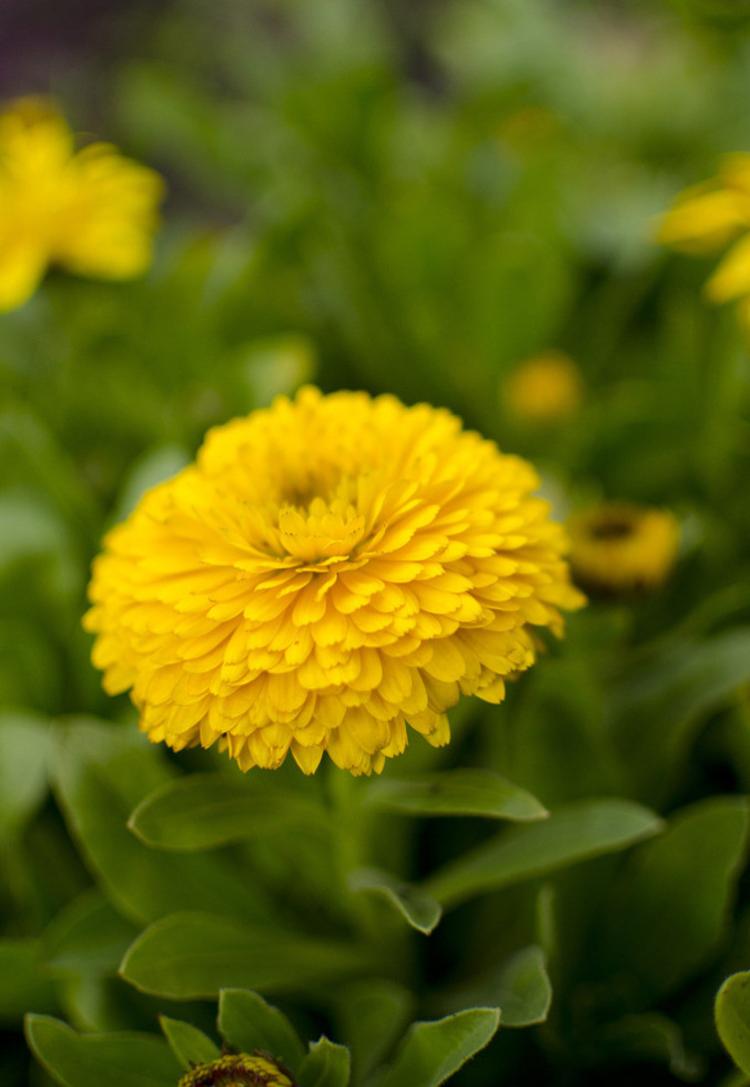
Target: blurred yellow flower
[[620, 547], [708, 217], [545, 388], [91, 211], [330, 570], [240, 1070]]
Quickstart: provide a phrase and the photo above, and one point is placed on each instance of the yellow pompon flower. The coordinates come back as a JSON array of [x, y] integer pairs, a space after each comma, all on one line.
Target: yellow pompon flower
[[330, 570], [240, 1070], [90, 211], [544, 389], [621, 547], [708, 217]]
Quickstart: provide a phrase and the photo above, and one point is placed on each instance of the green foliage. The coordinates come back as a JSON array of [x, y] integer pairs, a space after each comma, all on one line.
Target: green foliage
[[247, 1022], [78, 1060], [733, 1018], [193, 955], [432, 1052], [455, 792], [575, 833]]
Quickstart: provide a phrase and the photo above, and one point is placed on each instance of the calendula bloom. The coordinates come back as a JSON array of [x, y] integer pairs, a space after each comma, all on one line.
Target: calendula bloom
[[544, 389], [90, 211], [240, 1070], [709, 216], [328, 571], [620, 547]]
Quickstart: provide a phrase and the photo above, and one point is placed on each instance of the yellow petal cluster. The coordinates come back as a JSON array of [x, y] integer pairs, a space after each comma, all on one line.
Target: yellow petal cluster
[[544, 389], [237, 1070], [620, 547], [91, 211], [329, 571], [709, 216]]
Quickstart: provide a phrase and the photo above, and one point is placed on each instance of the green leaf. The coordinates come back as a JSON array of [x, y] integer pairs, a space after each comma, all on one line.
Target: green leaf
[[194, 955], [117, 1060], [524, 992], [732, 1010], [24, 983], [652, 1038], [455, 792], [201, 811], [88, 937], [25, 747], [417, 908], [247, 1022], [432, 1052], [572, 834], [102, 771], [372, 1015], [678, 689], [520, 987], [189, 1045], [694, 866], [326, 1065]]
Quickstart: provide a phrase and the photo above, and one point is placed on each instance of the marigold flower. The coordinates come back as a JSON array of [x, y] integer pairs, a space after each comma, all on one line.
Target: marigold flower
[[709, 216], [91, 211], [329, 570], [545, 388], [620, 547], [240, 1070]]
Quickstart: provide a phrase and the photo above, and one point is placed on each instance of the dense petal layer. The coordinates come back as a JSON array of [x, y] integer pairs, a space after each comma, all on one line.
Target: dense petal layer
[[330, 571]]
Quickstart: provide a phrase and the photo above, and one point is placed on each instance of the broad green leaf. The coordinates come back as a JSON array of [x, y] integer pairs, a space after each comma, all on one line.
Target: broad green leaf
[[693, 866], [732, 1010], [102, 771], [189, 1045], [418, 908], [194, 955], [519, 987], [372, 1015], [652, 1038], [247, 1022], [455, 792], [88, 937], [24, 983], [25, 746], [200, 811], [432, 1052], [91, 1060], [572, 834], [523, 992], [326, 1065], [677, 690]]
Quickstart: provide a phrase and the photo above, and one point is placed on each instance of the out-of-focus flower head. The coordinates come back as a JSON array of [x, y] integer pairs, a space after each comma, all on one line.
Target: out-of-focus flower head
[[91, 211], [708, 217], [237, 1070], [544, 389], [620, 547], [329, 571]]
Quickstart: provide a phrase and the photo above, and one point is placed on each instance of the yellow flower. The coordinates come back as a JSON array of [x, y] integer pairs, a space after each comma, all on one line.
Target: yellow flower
[[241, 1070], [620, 547], [545, 388], [708, 217], [91, 211], [329, 570]]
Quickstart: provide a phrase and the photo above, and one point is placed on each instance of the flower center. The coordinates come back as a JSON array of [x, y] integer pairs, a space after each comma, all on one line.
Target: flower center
[[237, 1071], [612, 530], [316, 522]]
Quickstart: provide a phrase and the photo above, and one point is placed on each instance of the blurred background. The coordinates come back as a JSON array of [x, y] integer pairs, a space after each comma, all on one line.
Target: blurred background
[[414, 198]]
